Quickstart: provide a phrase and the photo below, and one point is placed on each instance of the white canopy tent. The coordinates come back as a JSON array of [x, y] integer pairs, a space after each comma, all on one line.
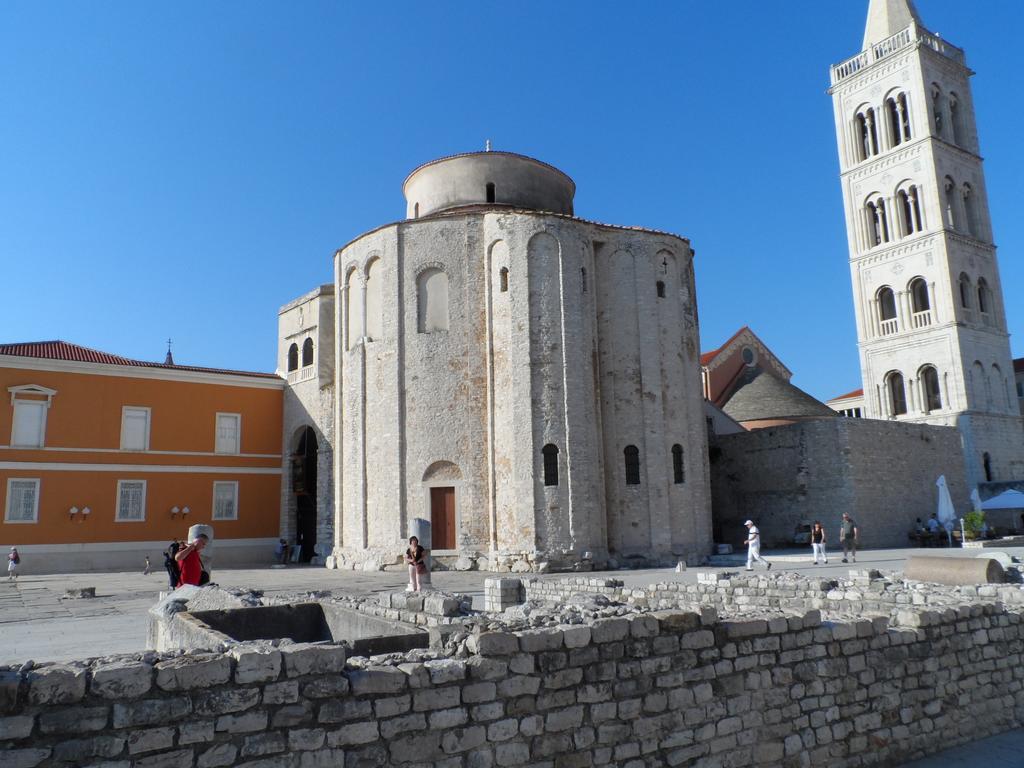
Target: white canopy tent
[[1003, 512], [1006, 500]]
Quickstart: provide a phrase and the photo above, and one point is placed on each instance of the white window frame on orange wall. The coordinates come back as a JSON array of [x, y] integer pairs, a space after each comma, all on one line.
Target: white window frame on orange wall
[[237, 449], [217, 484], [117, 508], [35, 500], [145, 439]]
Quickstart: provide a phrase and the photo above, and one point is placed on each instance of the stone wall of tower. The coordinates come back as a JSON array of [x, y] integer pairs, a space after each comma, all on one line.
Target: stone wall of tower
[[309, 402], [917, 215], [557, 333]]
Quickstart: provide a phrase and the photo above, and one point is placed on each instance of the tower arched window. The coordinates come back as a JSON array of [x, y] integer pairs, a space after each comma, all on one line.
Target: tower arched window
[[956, 120], [950, 212], [353, 309], [970, 212], [920, 302], [1000, 393], [432, 301], [678, 474], [897, 393], [293, 358], [965, 291], [867, 134], [930, 389], [490, 191], [937, 110], [632, 460], [984, 298], [898, 118], [660, 288], [887, 310], [910, 208], [503, 279], [986, 463], [550, 454], [878, 222], [307, 352]]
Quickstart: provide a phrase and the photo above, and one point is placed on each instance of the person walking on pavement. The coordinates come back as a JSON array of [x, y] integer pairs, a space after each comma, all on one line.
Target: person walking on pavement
[[753, 543], [13, 561], [818, 542], [848, 535]]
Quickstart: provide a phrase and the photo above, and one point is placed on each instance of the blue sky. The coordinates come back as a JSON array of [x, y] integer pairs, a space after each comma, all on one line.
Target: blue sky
[[183, 169]]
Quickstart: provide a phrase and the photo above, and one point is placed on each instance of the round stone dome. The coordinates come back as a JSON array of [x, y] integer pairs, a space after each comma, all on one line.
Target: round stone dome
[[487, 178]]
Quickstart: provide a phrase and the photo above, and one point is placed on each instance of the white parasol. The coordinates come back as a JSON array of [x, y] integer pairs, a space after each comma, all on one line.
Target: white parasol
[[945, 512], [976, 500]]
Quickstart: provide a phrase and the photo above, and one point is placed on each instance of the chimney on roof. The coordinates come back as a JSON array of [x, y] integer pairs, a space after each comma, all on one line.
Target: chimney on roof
[[169, 360]]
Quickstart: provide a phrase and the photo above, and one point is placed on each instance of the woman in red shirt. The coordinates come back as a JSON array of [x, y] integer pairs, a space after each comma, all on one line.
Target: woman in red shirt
[[188, 561]]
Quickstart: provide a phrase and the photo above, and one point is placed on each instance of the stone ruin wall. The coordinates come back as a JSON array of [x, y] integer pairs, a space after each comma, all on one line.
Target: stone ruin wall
[[656, 688]]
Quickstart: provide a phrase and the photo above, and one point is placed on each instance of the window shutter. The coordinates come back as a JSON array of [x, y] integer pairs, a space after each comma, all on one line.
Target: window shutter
[[23, 500], [134, 426], [227, 433], [28, 424]]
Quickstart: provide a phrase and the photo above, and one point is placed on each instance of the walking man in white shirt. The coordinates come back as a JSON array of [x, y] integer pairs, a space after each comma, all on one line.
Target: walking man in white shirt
[[753, 543]]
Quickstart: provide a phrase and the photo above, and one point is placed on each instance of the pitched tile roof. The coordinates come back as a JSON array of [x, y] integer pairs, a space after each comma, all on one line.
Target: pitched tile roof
[[760, 396], [707, 357], [855, 393], [64, 350]]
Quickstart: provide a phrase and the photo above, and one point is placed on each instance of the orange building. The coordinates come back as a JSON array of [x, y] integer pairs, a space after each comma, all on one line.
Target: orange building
[[105, 460]]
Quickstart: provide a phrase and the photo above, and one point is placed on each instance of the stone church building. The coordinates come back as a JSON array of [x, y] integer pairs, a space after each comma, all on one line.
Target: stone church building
[[526, 380]]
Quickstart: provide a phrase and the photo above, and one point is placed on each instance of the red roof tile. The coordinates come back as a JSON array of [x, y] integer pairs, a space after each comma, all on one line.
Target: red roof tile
[[63, 350], [855, 393], [707, 357]]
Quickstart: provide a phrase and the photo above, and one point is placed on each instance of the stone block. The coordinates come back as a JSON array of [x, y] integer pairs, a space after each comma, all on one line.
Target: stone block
[[736, 630], [643, 626], [463, 739], [78, 750], [200, 670], [10, 682], [512, 754], [225, 700], [256, 665], [121, 680], [260, 744], [25, 758], [564, 719], [494, 644], [484, 668], [340, 710], [391, 706], [405, 724], [17, 727], [56, 684], [478, 692], [74, 720], [438, 698], [197, 732], [150, 739], [423, 748], [151, 711], [354, 734], [217, 756], [537, 640], [290, 715], [440, 605], [181, 758], [676, 622], [300, 739], [519, 685], [446, 670], [247, 722], [377, 680], [322, 758], [309, 659], [326, 687], [286, 692], [575, 635], [448, 718]]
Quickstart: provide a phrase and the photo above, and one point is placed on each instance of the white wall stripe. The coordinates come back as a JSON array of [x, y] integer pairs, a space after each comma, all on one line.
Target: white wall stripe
[[57, 466]]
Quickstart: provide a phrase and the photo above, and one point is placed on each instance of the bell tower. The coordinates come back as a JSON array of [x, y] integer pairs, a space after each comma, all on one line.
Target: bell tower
[[931, 321]]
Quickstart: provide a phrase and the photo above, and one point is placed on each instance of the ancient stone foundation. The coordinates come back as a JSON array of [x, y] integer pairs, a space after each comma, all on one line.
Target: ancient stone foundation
[[644, 688]]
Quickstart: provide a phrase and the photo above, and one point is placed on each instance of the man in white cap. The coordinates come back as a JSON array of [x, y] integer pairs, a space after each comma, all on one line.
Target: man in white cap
[[753, 543]]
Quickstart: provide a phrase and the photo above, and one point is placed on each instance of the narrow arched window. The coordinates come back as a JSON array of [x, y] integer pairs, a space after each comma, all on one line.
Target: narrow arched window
[[416, 211], [965, 291], [904, 110], [919, 295], [374, 310], [632, 456], [887, 310], [293, 357], [872, 132], [550, 453], [951, 218], [970, 211], [583, 279], [863, 139], [915, 207], [986, 463], [678, 476], [895, 122], [907, 224], [937, 109], [930, 385], [661, 289], [984, 296], [353, 309], [955, 120], [503, 279], [490, 192], [897, 394], [432, 301], [307, 352]]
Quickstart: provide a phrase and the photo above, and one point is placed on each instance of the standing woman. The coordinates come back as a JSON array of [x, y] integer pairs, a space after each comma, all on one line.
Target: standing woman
[[414, 559], [818, 542]]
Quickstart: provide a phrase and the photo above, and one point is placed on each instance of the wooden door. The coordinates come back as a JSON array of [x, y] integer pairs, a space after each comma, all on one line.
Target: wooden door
[[442, 518]]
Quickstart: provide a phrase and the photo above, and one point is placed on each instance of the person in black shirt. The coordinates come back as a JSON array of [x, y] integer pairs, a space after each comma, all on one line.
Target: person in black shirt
[[818, 542]]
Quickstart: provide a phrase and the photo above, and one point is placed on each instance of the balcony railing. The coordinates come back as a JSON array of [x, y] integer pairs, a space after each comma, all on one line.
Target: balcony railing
[[302, 374], [921, 319], [912, 35], [889, 327]]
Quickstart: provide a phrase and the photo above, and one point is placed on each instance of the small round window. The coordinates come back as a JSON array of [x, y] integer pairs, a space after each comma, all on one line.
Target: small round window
[[748, 356]]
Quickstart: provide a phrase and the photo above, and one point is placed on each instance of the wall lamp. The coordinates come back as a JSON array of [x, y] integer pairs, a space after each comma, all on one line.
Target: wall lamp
[[183, 511], [83, 512]]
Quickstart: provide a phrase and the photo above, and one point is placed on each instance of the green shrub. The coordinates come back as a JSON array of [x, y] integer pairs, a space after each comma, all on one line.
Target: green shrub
[[973, 521]]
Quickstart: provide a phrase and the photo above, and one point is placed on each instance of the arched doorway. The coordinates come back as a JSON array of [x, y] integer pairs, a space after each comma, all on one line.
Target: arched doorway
[[304, 489]]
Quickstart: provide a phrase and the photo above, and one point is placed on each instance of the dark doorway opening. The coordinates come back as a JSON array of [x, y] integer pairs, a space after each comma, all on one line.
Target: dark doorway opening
[[304, 488]]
